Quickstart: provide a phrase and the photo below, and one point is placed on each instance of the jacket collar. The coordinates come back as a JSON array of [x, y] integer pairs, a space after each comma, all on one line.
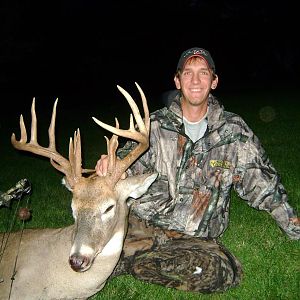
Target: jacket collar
[[171, 118]]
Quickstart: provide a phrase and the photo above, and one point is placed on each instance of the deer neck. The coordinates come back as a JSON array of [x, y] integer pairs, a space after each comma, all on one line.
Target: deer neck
[[107, 259]]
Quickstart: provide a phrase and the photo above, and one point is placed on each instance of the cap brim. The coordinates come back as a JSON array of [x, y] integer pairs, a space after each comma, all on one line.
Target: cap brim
[[195, 55]]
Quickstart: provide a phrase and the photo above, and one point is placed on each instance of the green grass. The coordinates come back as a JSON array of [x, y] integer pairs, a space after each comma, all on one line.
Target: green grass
[[270, 260]]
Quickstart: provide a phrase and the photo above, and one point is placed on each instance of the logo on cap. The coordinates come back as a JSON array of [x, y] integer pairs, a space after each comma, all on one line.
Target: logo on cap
[[194, 52]]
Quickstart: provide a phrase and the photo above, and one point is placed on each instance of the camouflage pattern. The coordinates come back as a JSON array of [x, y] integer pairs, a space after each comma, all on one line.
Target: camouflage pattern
[[22, 187], [176, 260], [192, 192]]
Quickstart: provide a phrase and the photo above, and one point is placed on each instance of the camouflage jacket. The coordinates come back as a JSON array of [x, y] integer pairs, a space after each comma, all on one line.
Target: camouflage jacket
[[192, 192]]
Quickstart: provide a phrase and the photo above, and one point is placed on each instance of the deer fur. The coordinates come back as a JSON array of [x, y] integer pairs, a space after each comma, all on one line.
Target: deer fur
[[43, 270], [74, 262]]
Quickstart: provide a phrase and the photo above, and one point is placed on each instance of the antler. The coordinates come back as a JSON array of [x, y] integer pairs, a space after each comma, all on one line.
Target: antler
[[116, 167], [72, 167]]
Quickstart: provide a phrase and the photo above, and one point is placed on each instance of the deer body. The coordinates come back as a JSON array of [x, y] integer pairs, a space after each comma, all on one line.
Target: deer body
[[74, 262], [43, 270]]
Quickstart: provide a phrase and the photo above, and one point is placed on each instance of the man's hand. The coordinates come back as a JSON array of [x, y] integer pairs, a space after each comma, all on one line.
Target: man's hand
[[102, 165], [295, 221]]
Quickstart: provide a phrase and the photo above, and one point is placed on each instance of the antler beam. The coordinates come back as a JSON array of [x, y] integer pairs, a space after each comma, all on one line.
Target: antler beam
[[117, 167], [72, 167]]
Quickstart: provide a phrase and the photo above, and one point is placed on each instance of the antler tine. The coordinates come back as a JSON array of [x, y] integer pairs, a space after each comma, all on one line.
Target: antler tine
[[145, 107], [112, 145], [33, 136], [77, 151], [117, 167], [72, 168], [131, 133], [51, 130]]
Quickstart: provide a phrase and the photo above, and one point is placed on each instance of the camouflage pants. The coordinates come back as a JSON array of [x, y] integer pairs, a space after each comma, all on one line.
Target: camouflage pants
[[176, 260]]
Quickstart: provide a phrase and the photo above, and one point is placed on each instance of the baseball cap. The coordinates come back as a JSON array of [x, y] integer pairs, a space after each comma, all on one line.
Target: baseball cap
[[195, 51]]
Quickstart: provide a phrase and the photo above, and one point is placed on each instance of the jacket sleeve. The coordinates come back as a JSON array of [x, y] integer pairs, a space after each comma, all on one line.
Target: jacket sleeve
[[260, 185], [142, 165]]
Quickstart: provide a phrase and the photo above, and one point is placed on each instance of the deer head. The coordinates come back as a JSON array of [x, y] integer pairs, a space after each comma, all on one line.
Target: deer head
[[98, 203]]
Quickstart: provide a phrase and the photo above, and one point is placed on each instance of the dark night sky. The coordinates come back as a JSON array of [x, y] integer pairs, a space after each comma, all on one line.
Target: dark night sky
[[87, 47]]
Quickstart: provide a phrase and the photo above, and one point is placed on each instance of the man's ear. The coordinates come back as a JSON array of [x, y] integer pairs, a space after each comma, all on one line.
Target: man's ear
[[214, 83], [177, 82]]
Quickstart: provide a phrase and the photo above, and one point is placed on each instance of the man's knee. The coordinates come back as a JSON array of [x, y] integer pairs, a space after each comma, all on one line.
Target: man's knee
[[191, 265]]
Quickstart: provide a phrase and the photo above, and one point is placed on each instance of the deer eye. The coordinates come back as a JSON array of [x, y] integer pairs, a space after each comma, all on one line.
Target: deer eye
[[109, 209]]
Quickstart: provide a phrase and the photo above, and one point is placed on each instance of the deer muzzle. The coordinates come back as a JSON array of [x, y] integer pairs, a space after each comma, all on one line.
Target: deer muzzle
[[79, 263]]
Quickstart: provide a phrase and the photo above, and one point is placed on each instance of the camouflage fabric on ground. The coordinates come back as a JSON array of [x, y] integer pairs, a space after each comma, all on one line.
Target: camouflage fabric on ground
[[176, 260]]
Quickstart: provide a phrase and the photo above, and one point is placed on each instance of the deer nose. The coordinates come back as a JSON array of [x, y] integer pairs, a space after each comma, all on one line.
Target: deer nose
[[78, 262]]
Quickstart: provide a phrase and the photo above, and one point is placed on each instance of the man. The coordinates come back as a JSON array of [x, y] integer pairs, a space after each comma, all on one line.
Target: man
[[200, 151]]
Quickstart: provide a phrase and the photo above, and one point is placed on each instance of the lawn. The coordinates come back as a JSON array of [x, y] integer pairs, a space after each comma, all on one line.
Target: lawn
[[270, 260]]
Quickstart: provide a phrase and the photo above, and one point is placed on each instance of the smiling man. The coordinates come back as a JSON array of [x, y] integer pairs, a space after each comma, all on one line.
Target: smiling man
[[201, 152]]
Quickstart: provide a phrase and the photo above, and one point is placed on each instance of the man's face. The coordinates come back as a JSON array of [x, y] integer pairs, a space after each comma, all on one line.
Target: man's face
[[195, 82]]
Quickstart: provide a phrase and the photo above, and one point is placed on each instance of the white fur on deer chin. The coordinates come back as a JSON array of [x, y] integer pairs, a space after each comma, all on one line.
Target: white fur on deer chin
[[84, 250], [114, 245]]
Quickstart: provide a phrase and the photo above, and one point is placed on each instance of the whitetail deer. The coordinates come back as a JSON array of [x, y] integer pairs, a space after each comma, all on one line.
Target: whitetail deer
[[74, 262]]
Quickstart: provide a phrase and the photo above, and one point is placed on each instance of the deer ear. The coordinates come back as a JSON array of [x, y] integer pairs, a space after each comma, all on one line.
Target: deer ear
[[66, 184], [135, 186]]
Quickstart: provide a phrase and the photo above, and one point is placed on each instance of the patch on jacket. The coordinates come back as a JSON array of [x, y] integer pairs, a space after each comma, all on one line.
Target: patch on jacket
[[220, 163]]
